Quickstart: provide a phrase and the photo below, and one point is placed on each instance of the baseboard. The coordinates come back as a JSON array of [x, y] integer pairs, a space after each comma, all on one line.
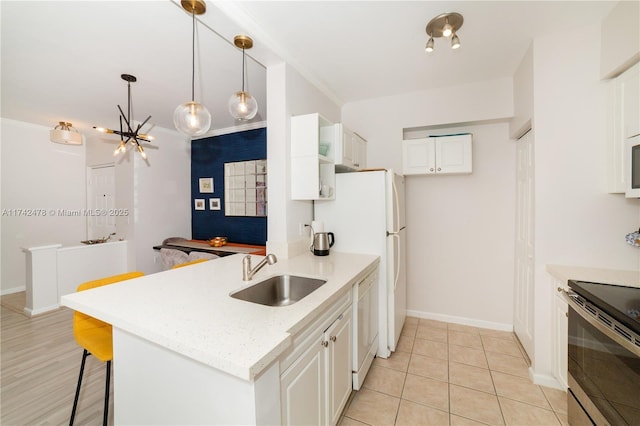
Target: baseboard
[[13, 290], [33, 312], [461, 320], [545, 380]]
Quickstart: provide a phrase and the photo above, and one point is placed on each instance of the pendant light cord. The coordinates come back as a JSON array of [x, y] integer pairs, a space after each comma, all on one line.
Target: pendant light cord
[[193, 54], [243, 65], [129, 104]]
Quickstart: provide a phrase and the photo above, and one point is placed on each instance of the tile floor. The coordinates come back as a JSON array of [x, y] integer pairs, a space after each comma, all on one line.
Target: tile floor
[[450, 374]]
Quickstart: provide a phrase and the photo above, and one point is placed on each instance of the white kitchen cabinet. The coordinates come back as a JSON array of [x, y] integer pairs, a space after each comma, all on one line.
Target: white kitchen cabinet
[[623, 122], [560, 323], [338, 361], [302, 388], [312, 158], [315, 382], [351, 150], [437, 155]]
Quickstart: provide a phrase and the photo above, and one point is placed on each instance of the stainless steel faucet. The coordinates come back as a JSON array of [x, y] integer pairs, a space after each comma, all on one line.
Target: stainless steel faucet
[[248, 273]]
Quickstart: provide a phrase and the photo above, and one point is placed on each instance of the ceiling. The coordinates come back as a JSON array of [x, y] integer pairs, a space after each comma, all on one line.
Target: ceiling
[[62, 60]]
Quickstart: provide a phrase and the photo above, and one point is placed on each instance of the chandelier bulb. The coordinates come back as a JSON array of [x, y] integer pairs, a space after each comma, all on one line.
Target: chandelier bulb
[[120, 149], [141, 151]]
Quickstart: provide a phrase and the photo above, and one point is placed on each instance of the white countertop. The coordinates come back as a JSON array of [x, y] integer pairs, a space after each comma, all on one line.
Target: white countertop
[[597, 275], [189, 310]]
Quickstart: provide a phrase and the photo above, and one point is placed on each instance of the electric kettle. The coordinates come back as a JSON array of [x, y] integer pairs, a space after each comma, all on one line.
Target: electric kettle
[[322, 241]]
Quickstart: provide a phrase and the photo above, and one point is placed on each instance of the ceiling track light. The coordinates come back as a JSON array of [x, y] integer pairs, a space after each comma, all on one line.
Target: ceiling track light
[[191, 117], [129, 134], [445, 25], [242, 105]]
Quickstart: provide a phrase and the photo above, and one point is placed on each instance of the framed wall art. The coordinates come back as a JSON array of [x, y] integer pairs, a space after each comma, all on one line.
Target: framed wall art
[[206, 185], [214, 204]]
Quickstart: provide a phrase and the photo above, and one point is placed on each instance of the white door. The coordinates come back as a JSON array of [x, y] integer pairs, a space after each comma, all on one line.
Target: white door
[[101, 191], [524, 247]]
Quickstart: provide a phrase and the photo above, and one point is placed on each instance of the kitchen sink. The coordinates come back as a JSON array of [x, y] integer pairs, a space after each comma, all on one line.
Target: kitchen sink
[[279, 290]]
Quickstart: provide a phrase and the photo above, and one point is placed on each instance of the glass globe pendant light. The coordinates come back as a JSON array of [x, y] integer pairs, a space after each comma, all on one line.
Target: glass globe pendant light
[[242, 105], [191, 117]]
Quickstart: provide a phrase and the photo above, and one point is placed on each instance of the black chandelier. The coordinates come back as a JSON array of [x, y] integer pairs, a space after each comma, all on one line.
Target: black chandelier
[[129, 134]]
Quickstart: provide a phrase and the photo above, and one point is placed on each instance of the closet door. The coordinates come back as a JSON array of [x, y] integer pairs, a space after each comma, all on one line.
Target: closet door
[[524, 274]]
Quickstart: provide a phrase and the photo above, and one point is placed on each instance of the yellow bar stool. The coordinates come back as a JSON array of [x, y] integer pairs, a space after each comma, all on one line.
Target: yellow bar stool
[[95, 337]]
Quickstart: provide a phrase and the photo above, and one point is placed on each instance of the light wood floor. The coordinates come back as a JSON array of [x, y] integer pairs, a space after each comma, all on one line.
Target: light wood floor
[[39, 363]]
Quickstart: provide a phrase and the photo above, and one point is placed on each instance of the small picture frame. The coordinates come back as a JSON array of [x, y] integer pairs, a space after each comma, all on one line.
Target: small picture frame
[[214, 204], [198, 203], [206, 185]]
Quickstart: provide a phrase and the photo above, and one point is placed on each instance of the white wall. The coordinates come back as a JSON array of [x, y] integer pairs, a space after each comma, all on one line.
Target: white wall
[[161, 196], [461, 235], [37, 174], [381, 121], [156, 192], [620, 39], [460, 228], [298, 96], [522, 96], [577, 221]]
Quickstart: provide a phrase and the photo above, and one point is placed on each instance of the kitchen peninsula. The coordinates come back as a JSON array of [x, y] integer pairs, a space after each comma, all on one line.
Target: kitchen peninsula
[[185, 352]]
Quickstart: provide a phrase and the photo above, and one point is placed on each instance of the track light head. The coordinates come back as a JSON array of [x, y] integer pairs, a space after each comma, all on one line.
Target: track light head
[[455, 41], [429, 46]]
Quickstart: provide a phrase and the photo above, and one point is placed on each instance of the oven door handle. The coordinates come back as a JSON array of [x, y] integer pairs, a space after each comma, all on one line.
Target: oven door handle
[[569, 296]]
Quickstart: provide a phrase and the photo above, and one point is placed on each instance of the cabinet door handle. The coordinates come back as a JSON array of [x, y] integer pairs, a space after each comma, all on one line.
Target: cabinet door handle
[[439, 169], [333, 338], [324, 343], [431, 169]]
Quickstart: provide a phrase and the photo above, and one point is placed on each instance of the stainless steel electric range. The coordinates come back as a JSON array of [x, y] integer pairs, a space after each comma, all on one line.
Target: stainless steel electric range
[[604, 354]]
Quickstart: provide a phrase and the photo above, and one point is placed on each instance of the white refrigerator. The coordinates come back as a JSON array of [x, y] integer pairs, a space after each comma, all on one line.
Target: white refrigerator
[[368, 216]]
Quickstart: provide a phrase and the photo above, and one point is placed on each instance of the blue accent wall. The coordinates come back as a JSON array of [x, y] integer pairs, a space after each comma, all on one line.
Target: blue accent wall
[[208, 156]]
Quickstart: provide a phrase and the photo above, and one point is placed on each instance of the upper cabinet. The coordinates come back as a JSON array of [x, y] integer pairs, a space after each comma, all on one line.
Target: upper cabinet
[[351, 150], [312, 158], [437, 155], [623, 122]]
